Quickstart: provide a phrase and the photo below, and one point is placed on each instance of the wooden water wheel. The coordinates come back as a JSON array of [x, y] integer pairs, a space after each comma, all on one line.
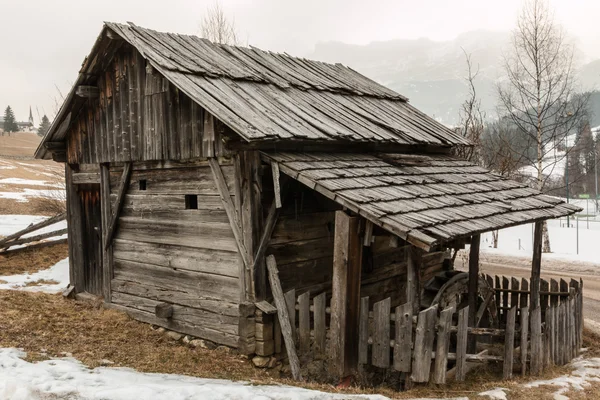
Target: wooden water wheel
[[450, 288]]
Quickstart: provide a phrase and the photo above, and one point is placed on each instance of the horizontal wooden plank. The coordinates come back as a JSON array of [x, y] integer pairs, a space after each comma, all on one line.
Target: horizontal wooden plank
[[291, 228], [307, 273], [185, 233], [210, 261], [200, 284], [203, 332], [300, 250], [80, 178], [176, 296]]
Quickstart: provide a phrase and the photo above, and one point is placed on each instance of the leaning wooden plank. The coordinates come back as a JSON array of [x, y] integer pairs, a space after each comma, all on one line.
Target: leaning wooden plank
[[284, 319], [266, 307], [233, 221], [258, 263], [509, 342], [290, 301], [424, 337], [442, 346], [40, 245], [304, 322], [461, 344], [319, 322], [524, 338], [276, 184], [122, 189], [363, 331], [381, 333], [33, 227], [36, 238], [403, 342]]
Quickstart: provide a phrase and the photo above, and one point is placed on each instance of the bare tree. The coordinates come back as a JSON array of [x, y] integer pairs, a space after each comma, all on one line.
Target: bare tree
[[539, 94], [217, 27], [471, 117]]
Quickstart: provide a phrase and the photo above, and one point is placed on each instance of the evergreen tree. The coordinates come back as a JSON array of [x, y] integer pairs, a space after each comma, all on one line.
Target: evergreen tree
[[10, 124], [44, 126]]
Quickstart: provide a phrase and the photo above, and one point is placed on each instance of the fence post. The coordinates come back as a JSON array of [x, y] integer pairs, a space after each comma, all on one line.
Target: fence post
[[319, 315], [443, 345], [524, 334], [509, 343], [424, 337], [461, 344], [363, 331], [403, 342], [381, 333]]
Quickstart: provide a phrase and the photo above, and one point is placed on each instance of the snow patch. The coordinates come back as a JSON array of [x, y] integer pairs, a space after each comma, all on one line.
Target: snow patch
[[19, 181], [68, 378], [585, 371], [23, 197], [495, 394], [58, 273]]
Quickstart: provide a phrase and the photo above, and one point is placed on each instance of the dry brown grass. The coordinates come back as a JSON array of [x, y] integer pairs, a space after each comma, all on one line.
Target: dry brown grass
[[47, 205], [32, 260], [41, 282]]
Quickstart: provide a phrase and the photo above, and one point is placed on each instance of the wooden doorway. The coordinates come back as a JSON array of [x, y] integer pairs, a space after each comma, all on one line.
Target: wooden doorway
[[91, 228]]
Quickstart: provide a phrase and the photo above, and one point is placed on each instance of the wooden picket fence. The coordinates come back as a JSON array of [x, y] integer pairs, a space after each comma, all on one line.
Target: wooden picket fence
[[432, 345]]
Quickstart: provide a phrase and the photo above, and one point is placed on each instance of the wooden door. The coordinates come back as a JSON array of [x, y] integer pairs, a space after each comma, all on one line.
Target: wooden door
[[91, 221]]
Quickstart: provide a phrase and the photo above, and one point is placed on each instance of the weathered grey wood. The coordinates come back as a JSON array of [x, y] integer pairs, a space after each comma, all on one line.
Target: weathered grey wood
[[345, 300], [424, 337], [514, 297], [258, 264], [536, 264], [499, 294], [75, 235], [163, 310], [561, 334], [277, 336], [32, 228], [536, 341], [208, 137], [461, 344], [35, 238], [524, 338], [505, 297], [276, 184], [473, 292], [442, 346], [363, 332], [381, 333], [544, 288], [403, 340], [412, 278], [114, 219], [107, 253], [84, 178], [290, 302], [524, 301], [87, 92], [368, 237], [234, 223], [304, 322], [284, 318], [509, 342], [319, 316], [266, 307], [548, 328]]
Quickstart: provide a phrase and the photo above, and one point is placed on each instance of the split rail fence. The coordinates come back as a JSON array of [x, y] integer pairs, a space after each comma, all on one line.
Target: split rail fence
[[432, 345]]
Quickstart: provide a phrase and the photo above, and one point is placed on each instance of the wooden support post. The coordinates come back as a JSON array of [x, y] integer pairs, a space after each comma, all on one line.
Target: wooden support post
[[284, 319], [345, 300], [536, 341], [121, 191], [107, 254], [461, 344], [413, 274], [259, 263], [473, 289], [368, 233], [276, 184], [536, 265], [75, 236]]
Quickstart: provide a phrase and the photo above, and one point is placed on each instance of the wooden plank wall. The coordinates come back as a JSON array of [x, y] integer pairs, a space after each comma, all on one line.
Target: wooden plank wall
[[138, 116], [164, 252]]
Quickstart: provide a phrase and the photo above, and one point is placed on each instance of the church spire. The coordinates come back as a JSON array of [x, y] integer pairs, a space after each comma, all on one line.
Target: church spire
[[30, 116]]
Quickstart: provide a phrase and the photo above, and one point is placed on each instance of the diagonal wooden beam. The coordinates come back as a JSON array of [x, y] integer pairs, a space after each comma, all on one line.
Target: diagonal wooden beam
[[231, 214], [122, 189]]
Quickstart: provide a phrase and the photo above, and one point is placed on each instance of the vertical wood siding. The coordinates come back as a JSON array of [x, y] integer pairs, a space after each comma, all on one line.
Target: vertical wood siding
[[139, 116]]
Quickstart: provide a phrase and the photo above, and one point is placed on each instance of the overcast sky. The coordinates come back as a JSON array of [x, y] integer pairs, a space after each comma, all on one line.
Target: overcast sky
[[43, 42]]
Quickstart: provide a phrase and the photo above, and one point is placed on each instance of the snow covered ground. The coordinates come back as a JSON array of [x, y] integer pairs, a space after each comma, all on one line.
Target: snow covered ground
[[57, 278], [10, 224], [68, 378], [568, 243]]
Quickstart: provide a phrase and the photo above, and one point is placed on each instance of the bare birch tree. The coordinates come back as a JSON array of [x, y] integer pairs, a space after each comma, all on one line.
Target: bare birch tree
[[471, 117], [539, 94], [217, 27]]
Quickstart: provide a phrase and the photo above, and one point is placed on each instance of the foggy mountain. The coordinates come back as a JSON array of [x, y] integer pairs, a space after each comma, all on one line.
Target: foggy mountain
[[432, 74]]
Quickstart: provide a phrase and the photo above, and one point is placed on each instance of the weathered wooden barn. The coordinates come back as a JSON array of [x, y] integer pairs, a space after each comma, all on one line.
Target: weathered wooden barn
[[188, 162]]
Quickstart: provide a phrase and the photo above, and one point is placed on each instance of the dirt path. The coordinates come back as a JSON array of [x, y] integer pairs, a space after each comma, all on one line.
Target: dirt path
[[552, 268]]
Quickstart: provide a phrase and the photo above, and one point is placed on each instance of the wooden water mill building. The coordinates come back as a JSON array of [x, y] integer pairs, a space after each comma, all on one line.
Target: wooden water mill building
[[190, 164]]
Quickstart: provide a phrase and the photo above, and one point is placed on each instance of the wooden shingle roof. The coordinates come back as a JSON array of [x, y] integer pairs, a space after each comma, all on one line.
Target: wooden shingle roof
[[268, 96], [425, 199]]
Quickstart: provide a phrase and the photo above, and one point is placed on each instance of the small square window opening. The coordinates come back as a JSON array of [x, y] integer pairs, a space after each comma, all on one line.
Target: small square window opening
[[142, 184], [191, 202]]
